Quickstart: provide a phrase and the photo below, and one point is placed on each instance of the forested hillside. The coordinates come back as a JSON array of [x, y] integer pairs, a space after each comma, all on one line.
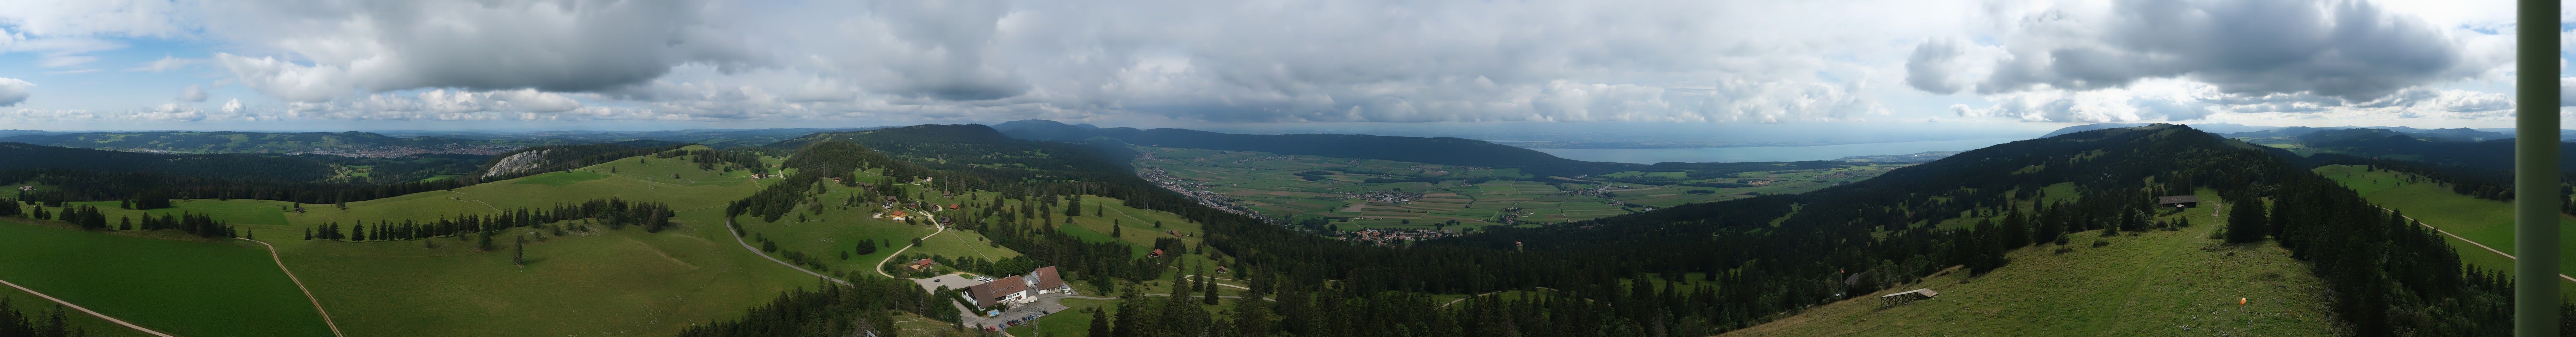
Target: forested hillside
[[1764, 256]]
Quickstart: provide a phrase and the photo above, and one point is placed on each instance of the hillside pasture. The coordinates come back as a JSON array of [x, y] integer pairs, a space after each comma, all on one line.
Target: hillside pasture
[[192, 288]]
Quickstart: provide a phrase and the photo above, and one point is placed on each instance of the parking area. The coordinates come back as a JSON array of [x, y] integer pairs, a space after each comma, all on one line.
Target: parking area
[[953, 281], [1019, 315]]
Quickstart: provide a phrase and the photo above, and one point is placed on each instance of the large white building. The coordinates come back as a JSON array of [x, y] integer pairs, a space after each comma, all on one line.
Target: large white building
[[1018, 290]]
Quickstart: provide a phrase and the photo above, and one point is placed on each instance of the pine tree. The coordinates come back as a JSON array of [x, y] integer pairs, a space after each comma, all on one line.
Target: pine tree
[[2246, 220], [1099, 323], [1211, 291]]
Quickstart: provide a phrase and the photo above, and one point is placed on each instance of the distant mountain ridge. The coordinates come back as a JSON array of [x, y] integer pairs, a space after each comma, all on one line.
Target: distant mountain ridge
[[2254, 131], [717, 138], [1434, 150], [353, 143]]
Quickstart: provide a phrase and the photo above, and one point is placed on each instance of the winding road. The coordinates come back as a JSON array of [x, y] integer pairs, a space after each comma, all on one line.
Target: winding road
[[934, 222], [746, 245]]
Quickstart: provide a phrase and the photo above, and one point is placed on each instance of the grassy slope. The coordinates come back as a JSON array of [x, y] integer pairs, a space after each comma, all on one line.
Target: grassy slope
[[2488, 222], [192, 288], [31, 305], [607, 283], [2155, 284]]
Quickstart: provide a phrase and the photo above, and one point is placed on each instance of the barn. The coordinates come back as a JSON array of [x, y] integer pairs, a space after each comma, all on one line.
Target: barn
[[2179, 201]]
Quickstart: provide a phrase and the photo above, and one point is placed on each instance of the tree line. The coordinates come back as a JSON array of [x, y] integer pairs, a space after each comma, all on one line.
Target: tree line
[[612, 212]]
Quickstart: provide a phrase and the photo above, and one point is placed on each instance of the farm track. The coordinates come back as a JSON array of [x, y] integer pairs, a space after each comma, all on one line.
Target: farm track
[[68, 304], [299, 286]]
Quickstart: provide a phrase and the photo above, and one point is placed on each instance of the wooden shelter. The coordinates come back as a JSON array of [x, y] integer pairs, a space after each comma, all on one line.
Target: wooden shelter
[[2179, 201], [1908, 296]]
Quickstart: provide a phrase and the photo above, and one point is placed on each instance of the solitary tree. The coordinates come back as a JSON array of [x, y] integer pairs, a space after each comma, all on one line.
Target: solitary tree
[[519, 252]]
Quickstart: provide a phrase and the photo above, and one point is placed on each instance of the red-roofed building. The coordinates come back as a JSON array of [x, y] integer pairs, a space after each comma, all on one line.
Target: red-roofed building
[[1156, 253], [922, 264], [956, 206]]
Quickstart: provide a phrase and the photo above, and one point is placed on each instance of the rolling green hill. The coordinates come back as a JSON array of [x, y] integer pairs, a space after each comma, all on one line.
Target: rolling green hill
[[2159, 283]]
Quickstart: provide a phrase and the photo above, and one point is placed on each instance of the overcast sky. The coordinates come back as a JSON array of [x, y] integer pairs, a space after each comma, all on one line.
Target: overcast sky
[[671, 64]]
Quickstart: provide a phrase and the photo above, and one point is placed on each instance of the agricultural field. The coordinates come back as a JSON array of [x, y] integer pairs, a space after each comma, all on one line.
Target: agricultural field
[[595, 283], [182, 287], [1418, 195], [2159, 283], [2488, 222]]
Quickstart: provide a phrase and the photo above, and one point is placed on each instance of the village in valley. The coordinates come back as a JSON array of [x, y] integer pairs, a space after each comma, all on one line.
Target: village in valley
[[1391, 202]]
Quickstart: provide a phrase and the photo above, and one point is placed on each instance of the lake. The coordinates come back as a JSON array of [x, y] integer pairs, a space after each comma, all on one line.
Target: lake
[[1782, 153]]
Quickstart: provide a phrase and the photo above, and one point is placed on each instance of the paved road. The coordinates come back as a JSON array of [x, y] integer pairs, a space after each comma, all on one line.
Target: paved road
[[1222, 284], [746, 245], [299, 285], [880, 267]]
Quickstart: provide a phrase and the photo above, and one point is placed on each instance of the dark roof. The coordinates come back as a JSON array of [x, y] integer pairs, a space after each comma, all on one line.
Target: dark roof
[[992, 292], [2177, 199], [1045, 278], [1855, 278], [1926, 292]]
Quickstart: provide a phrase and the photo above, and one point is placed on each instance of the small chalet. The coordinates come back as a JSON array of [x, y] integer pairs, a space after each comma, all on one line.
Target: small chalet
[[1156, 253], [897, 215], [922, 264], [1908, 296], [2179, 201], [956, 206], [26, 188]]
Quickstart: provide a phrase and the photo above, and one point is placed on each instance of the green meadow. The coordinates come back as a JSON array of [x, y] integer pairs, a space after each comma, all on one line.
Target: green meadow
[[190, 288], [2159, 283], [2488, 222]]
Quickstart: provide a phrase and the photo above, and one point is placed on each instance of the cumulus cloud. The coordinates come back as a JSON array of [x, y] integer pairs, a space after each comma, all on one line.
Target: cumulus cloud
[[166, 63], [192, 94], [2180, 100], [2346, 49], [371, 46], [1307, 61], [14, 91], [1931, 66], [991, 59]]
